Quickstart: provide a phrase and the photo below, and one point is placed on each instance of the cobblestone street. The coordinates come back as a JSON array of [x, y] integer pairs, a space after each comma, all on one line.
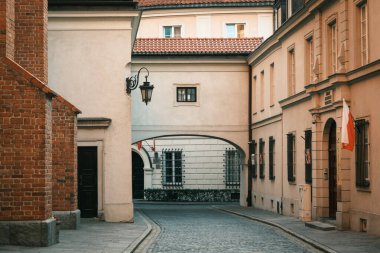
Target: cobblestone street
[[201, 228]]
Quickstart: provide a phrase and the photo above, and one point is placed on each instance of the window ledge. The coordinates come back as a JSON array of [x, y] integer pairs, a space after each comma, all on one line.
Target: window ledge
[[363, 189]]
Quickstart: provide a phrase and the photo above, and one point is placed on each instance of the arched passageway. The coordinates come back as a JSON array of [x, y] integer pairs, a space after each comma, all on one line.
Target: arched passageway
[[192, 164]]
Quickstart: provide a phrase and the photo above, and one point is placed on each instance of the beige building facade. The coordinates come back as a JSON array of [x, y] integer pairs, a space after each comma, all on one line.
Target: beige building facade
[[320, 53], [199, 46], [90, 47]]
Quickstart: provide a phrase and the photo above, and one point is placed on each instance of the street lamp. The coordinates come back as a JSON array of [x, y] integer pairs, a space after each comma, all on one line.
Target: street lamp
[[146, 88]]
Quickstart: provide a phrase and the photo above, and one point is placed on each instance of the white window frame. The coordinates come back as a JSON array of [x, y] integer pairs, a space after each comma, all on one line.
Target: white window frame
[[235, 30], [363, 33], [172, 30], [292, 87]]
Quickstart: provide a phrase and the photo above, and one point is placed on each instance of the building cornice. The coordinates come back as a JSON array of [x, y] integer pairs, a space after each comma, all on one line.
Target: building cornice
[[208, 5], [189, 60], [289, 27], [267, 121], [94, 122]]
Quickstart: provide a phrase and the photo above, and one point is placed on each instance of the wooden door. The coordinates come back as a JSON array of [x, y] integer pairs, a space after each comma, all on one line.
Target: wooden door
[[88, 181], [332, 172], [137, 176]]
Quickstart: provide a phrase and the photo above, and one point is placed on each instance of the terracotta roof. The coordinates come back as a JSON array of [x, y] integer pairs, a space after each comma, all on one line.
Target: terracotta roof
[[182, 3], [195, 46]]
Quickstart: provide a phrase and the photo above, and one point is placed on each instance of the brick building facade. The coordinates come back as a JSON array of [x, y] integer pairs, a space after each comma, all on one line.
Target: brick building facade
[[32, 120]]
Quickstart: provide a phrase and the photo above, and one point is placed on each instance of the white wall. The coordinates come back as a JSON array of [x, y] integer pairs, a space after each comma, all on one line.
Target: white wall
[[207, 22], [88, 57], [221, 111]]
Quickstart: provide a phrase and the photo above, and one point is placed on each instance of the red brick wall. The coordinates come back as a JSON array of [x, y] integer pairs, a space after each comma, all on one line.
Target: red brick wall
[[7, 31], [25, 148], [64, 157], [31, 36]]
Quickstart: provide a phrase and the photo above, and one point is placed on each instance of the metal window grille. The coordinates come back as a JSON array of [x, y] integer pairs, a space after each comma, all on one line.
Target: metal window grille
[[232, 167], [291, 157], [271, 157], [262, 158], [308, 160], [362, 153], [172, 164], [186, 94]]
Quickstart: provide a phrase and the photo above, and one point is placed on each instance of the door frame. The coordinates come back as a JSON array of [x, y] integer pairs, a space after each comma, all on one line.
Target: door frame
[[332, 170], [100, 146]]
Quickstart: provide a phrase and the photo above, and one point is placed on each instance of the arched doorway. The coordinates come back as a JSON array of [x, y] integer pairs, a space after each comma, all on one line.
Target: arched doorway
[[137, 176], [332, 172]]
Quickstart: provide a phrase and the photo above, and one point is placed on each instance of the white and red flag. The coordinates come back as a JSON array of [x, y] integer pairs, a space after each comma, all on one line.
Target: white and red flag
[[348, 128], [139, 145]]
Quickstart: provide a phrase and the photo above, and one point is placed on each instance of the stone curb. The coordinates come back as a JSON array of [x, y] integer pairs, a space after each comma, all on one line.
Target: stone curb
[[311, 242], [131, 248]]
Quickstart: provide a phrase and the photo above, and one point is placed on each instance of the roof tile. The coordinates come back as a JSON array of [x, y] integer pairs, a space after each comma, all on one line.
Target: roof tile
[[146, 3], [198, 46]]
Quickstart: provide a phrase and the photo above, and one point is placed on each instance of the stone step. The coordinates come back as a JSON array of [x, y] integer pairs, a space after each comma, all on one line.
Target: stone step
[[320, 225]]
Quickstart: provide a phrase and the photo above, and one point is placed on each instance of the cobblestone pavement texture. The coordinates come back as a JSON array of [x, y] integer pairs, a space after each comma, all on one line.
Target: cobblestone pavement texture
[[93, 236], [339, 241], [201, 228]]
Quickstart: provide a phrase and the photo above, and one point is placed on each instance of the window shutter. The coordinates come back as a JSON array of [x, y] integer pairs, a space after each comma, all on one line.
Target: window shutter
[[271, 157], [359, 152], [261, 158], [254, 167], [290, 138], [308, 157]]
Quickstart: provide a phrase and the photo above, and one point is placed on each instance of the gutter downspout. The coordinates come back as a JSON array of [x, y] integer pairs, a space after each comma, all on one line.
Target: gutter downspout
[[249, 195]]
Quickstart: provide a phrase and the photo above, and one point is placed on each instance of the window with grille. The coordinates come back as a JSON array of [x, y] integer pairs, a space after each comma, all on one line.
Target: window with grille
[[254, 152], [172, 167], [362, 153], [262, 158], [186, 94], [291, 155], [232, 167], [172, 31], [271, 157], [308, 161]]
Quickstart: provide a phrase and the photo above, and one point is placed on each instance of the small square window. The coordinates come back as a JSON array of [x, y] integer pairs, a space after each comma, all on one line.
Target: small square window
[[186, 94], [235, 30], [172, 31]]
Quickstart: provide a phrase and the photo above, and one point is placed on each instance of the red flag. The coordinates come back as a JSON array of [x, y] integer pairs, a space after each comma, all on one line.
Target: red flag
[[139, 145], [348, 129], [154, 145]]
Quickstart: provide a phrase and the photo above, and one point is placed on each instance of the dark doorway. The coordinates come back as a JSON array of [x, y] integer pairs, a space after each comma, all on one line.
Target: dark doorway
[[332, 171], [137, 176], [88, 181]]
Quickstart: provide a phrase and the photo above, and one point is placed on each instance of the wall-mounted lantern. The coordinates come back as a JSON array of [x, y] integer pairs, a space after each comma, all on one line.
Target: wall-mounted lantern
[[146, 88]]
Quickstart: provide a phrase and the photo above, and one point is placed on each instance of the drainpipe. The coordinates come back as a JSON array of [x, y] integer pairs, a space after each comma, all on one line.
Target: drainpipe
[[249, 195]]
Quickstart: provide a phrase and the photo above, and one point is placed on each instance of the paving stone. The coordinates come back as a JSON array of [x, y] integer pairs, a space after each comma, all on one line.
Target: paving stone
[[200, 228], [320, 225]]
